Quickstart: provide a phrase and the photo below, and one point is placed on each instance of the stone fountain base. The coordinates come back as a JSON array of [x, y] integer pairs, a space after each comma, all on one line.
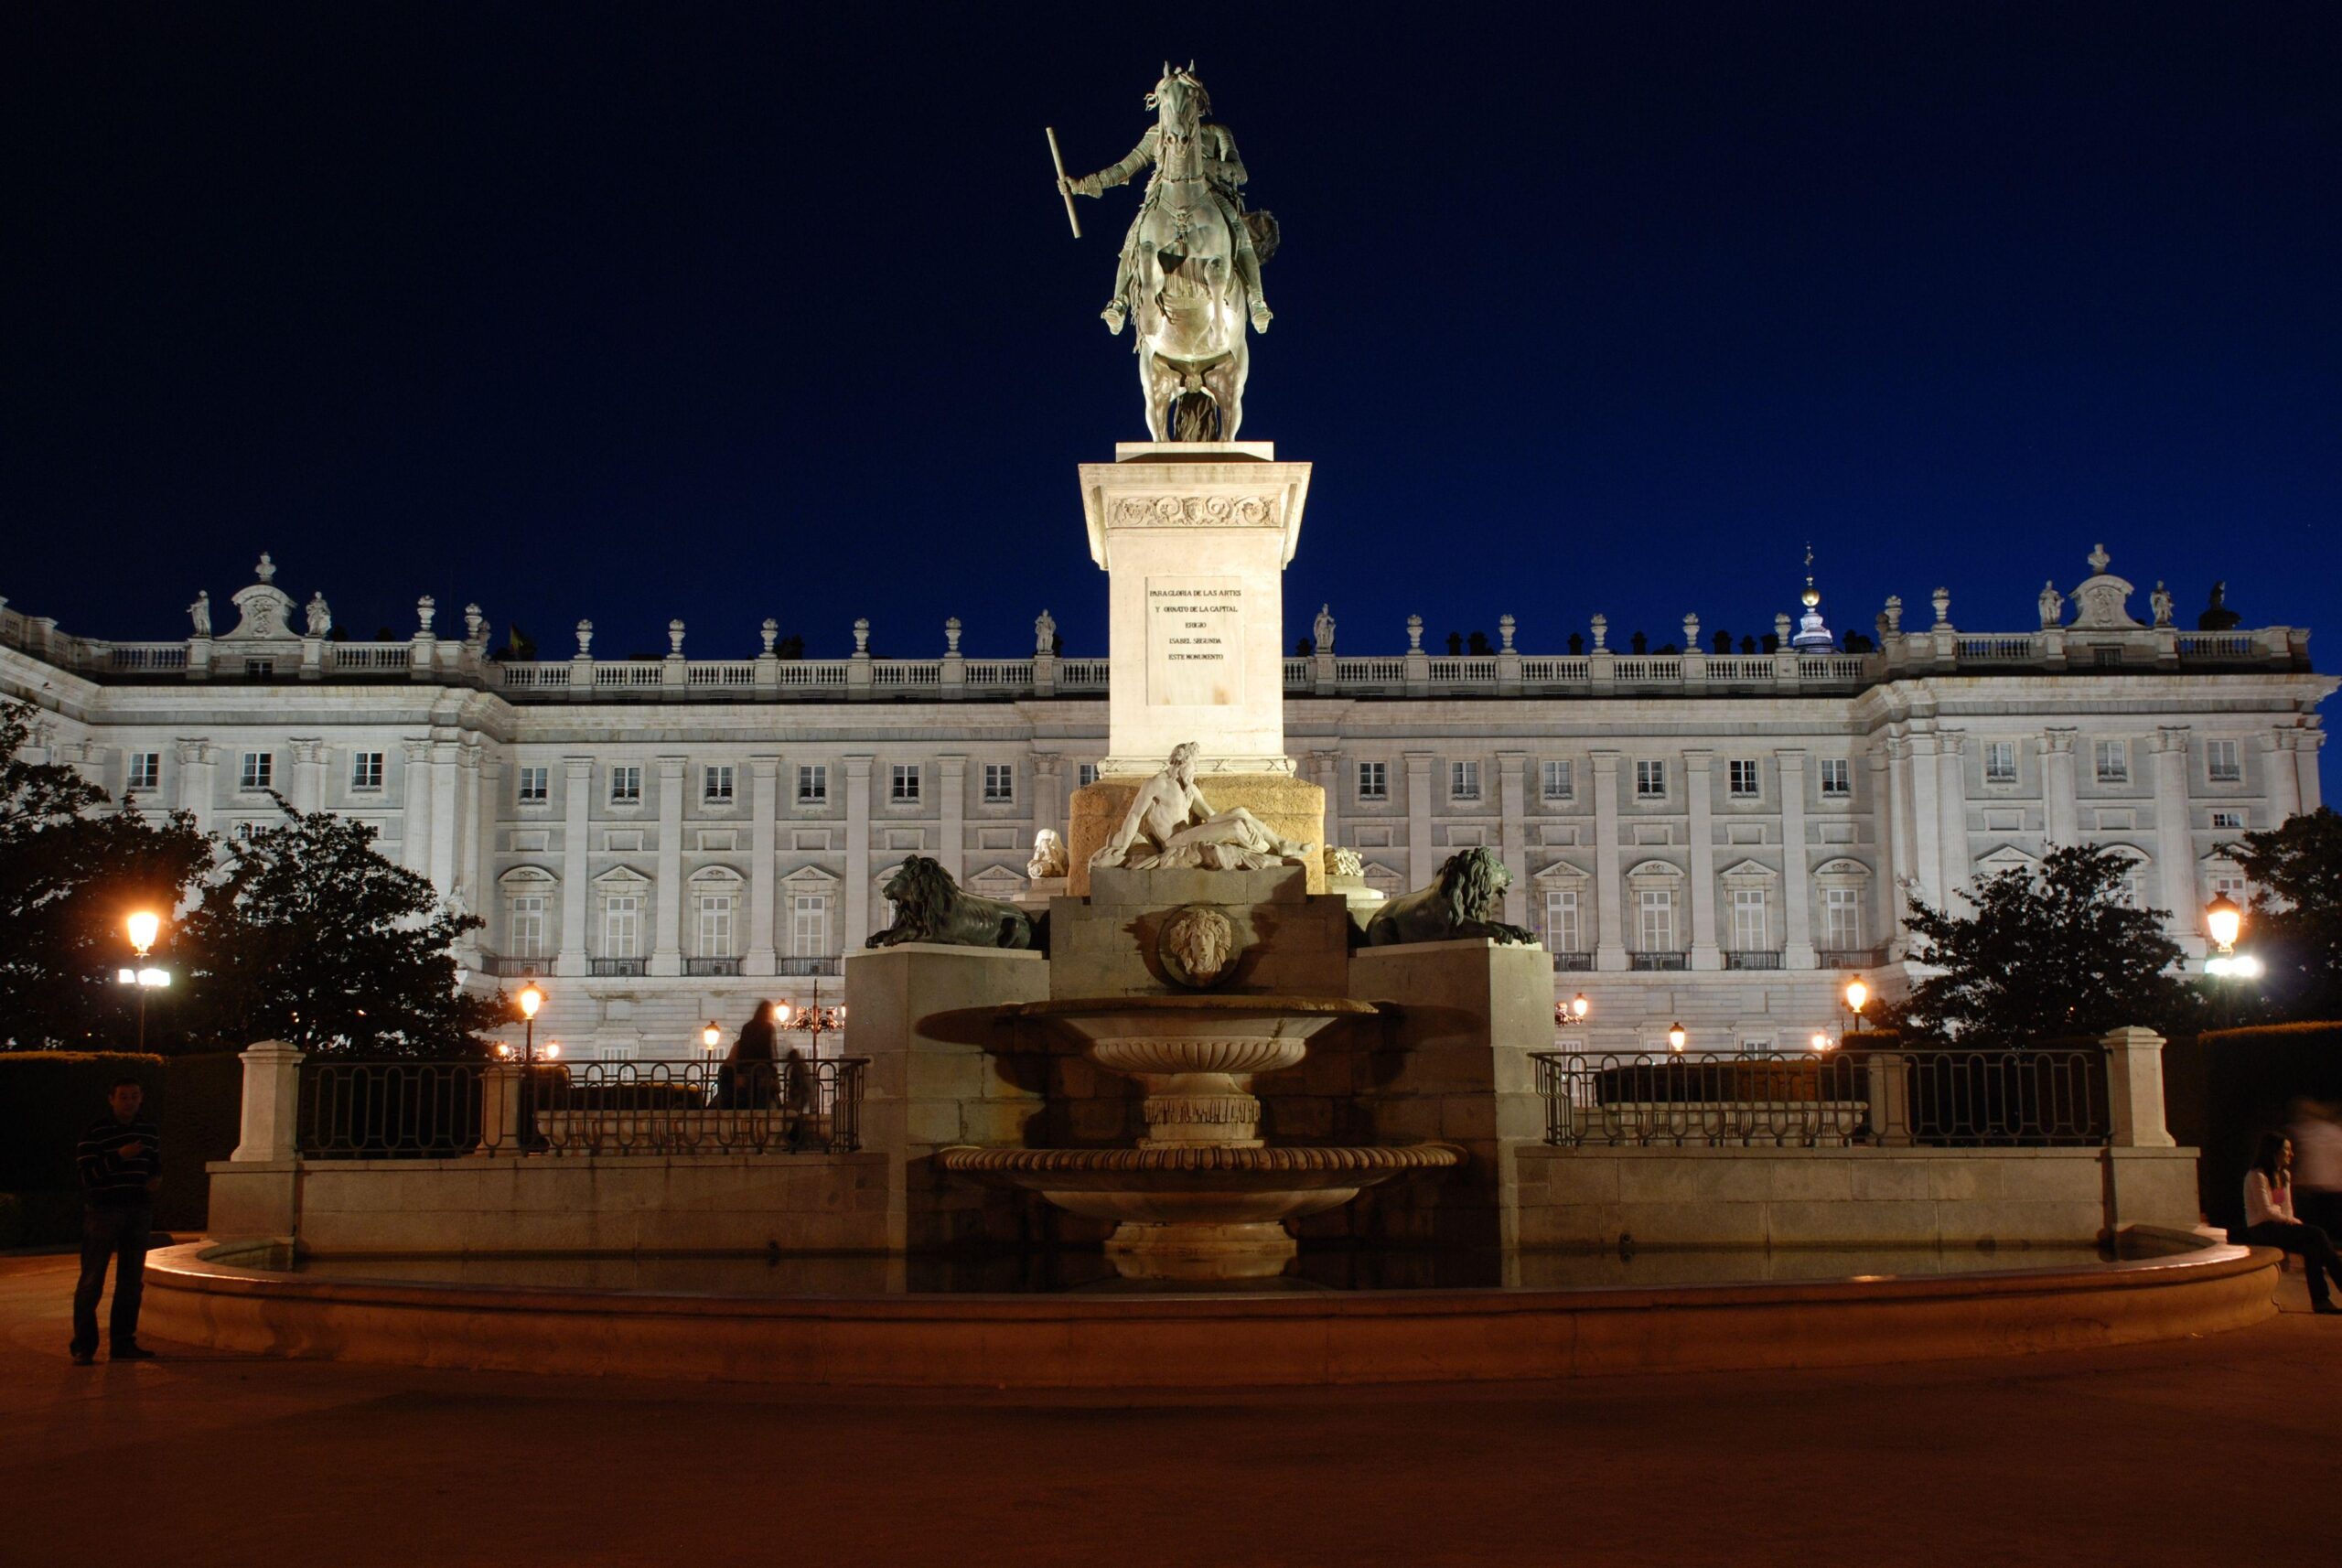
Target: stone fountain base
[[1198, 1212]]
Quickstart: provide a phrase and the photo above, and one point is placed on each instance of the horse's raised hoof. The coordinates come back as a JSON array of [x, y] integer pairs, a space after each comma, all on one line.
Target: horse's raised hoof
[[1262, 316], [1114, 316]]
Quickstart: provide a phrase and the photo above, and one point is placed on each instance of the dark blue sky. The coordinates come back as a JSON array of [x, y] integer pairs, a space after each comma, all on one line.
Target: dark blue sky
[[721, 311]]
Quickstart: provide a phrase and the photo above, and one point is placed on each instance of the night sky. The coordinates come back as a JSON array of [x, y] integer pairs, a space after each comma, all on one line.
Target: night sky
[[722, 312]]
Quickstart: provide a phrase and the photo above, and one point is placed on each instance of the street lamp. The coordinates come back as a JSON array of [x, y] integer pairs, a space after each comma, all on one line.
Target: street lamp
[[2224, 922], [1822, 1042], [144, 925], [1675, 1037], [1857, 994], [813, 1019], [1572, 1012], [711, 1035]]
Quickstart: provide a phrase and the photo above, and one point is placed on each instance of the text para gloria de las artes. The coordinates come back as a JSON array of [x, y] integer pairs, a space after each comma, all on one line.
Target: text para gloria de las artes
[[1192, 602]]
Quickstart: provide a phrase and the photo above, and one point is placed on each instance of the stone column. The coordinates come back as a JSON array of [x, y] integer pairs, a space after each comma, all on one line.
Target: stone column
[[2306, 742], [271, 1102], [1900, 841], [1327, 767], [2175, 840], [414, 805], [577, 801], [1796, 897], [1699, 785], [667, 938], [1951, 797], [2060, 815], [1048, 793], [481, 774], [1610, 928], [1422, 856], [764, 803], [308, 775], [1927, 818], [952, 785], [2283, 776], [499, 1109], [1885, 850], [2134, 1088], [857, 851], [1512, 795], [446, 840], [196, 760]]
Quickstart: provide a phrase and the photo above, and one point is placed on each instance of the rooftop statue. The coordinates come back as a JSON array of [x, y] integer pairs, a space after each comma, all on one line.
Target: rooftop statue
[[1171, 826], [1190, 270]]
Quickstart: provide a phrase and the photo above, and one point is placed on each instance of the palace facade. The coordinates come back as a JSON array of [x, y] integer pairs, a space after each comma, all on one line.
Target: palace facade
[[1718, 837]]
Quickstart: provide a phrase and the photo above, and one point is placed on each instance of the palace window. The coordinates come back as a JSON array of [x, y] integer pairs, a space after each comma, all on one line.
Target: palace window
[[1085, 775], [2224, 762], [2233, 820], [145, 770], [2000, 762], [1740, 775], [1842, 919], [809, 925], [2113, 758], [903, 783], [1000, 783], [536, 786], [1374, 781], [716, 925], [1650, 781], [812, 783], [1554, 781], [2229, 883], [1654, 908], [1749, 927], [1463, 780], [365, 770], [259, 771], [1561, 930], [621, 925], [1837, 778], [715, 789], [626, 789], [525, 935]]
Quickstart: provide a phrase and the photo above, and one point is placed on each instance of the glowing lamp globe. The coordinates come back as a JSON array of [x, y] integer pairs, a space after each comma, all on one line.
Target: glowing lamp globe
[[144, 928]]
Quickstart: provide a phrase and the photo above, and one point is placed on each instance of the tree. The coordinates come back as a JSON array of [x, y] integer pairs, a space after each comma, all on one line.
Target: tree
[[311, 936], [2050, 951], [72, 868], [2296, 927]]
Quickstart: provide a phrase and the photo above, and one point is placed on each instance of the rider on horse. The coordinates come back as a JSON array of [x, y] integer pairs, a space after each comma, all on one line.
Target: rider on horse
[[1180, 151]]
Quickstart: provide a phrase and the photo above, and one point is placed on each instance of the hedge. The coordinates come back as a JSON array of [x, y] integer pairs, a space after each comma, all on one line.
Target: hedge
[[47, 1099]]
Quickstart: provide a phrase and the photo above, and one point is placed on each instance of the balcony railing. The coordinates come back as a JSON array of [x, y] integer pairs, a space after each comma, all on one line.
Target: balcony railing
[[1751, 958], [1851, 958], [711, 968], [2032, 1098], [808, 966], [504, 967], [1652, 960], [1567, 959], [617, 968]]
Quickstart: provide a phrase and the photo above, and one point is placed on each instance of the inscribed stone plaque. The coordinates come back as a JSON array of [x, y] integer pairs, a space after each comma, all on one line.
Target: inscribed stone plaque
[[1195, 655]]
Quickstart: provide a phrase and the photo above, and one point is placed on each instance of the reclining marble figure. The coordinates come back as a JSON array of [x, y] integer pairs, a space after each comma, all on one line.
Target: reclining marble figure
[[1171, 827]]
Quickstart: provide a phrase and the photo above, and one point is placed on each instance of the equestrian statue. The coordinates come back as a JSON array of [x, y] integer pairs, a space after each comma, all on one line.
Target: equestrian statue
[[1190, 272]]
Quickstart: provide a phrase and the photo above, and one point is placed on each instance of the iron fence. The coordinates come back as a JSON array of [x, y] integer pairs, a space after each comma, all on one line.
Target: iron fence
[[2025, 1098], [440, 1109]]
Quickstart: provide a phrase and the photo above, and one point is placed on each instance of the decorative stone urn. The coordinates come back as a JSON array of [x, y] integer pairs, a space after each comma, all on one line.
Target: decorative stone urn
[[1201, 1197]]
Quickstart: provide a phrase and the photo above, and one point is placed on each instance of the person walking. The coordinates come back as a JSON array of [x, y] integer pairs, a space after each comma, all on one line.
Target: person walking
[[2269, 1219], [2318, 1164], [121, 1164]]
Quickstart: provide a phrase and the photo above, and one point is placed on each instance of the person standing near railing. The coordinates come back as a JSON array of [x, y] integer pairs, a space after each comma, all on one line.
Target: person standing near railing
[[120, 1161], [2317, 1163], [2269, 1220]]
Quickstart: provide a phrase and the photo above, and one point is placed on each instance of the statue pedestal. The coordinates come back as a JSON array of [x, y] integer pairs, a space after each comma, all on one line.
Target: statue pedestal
[[1289, 807], [1195, 538]]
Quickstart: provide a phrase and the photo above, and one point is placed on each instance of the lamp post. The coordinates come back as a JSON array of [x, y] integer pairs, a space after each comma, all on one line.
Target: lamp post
[[1857, 995], [813, 1019], [144, 925], [1569, 1015], [529, 1000], [1676, 1036], [711, 1035], [2224, 922]]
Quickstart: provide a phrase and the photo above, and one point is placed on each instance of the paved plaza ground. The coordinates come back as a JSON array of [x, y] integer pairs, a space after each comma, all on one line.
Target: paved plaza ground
[[2214, 1451]]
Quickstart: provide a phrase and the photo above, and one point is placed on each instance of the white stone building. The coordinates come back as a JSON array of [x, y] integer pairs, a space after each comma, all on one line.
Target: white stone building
[[1714, 838]]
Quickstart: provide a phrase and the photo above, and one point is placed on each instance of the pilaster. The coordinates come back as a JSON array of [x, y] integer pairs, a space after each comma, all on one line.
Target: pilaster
[[1926, 817], [2283, 773], [2060, 815], [1609, 943], [2175, 840], [196, 760], [764, 803], [1699, 783], [1797, 948], [951, 786], [1422, 856], [1951, 802], [667, 945], [1513, 798], [577, 801], [2306, 742], [414, 802], [446, 841], [308, 775], [857, 851]]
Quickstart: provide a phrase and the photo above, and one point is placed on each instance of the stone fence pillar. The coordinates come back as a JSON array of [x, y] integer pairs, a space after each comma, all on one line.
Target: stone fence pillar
[[500, 1108], [2134, 1088], [272, 1103]]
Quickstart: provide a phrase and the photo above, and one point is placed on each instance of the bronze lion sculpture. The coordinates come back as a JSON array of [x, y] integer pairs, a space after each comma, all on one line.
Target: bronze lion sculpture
[[1470, 889], [930, 907]]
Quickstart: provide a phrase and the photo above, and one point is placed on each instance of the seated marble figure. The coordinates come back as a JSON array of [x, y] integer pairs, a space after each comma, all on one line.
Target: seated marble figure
[[1171, 827]]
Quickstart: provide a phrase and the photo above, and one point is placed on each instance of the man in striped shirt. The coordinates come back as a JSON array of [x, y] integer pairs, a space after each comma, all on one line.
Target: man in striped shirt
[[121, 1163]]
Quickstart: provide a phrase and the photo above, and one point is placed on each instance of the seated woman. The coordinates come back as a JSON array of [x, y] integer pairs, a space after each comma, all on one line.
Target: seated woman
[[2269, 1219]]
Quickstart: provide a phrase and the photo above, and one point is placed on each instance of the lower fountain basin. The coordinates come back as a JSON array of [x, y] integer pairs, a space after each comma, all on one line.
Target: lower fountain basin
[[1198, 1212]]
